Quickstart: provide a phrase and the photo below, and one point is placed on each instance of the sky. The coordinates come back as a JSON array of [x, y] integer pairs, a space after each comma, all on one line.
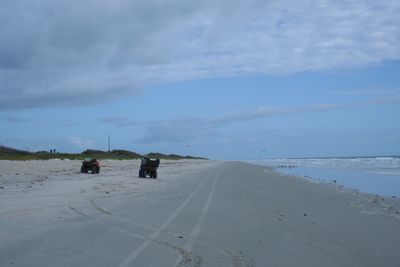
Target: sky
[[219, 79]]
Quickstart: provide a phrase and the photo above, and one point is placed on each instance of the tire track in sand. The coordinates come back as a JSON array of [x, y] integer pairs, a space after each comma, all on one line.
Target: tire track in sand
[[197, 228], [141, 248], [75, 209], [237, 259], [188, 258]]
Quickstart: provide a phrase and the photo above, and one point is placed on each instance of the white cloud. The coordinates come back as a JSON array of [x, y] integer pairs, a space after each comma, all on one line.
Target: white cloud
[[176, 131], [14, 119], [80, 143], [64, 52], [118, 121], [184, 130]]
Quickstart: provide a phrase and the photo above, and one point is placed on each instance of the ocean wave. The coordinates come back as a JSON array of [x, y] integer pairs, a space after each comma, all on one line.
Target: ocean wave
[[381, 165]]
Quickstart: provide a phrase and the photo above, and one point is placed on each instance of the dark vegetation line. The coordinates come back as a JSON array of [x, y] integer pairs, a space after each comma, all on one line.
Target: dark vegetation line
[[7, 153]]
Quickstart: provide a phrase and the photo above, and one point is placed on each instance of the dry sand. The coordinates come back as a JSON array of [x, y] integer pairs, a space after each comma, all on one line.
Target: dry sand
[[198, 213]]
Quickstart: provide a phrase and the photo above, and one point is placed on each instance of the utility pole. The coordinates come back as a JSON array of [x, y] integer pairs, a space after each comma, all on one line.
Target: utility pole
[[109, 143]]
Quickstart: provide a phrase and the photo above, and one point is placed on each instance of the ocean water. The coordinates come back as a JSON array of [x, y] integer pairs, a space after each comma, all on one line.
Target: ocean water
[[374, 175]]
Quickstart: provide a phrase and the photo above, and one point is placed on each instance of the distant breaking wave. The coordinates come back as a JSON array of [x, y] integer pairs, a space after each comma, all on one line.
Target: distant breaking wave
[[377, 165]]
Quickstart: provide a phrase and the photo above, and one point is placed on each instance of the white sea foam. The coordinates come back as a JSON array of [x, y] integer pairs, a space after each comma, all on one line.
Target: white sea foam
[[376, 175], [377, 165]]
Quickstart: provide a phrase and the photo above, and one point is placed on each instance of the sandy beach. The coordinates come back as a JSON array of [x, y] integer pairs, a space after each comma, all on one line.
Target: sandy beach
[[197, 213]]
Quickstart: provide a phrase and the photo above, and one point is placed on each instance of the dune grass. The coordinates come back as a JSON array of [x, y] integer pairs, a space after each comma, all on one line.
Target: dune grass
[[7, 153]]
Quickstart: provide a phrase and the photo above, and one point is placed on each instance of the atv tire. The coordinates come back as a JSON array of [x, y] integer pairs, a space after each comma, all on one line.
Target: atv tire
[[84, 170], [141, 174]]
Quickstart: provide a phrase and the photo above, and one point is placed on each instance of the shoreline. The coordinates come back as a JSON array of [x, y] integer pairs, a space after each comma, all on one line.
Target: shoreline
[[369, 203], [367, 175]]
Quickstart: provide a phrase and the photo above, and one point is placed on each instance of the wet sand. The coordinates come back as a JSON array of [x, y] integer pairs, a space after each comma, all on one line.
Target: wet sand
[[197, 213]]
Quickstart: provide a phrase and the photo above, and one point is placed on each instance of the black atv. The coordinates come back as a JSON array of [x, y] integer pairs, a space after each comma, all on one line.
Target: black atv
[[90, 164], [149, 167]]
